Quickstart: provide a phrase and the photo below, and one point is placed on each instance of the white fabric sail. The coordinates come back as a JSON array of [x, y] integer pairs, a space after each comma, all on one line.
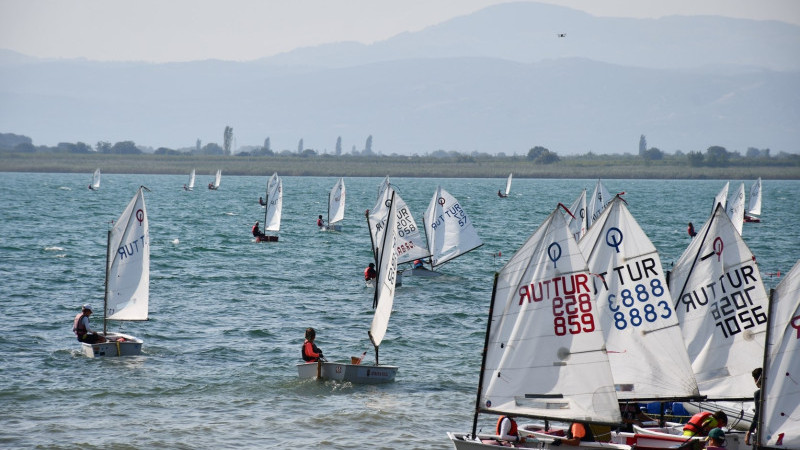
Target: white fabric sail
[[754, 206], [272, 217], [577, 221], [217, 178], [128, 269], [722, 197], [336, 202], [546, 356], [644, 341], [96, 179], [191, 180], [508, 183], [600, 198], [780, 390], [410, 245], [383, 186], [449, 231], [735, 208], [387, 275], [719, 296]]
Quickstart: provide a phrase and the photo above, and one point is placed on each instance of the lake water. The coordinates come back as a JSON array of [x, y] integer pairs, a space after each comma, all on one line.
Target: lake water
[[227, 315]]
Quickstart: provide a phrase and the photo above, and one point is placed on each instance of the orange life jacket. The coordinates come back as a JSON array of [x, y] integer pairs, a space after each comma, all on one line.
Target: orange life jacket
[[698, 425], [309, 353], [512, 432]]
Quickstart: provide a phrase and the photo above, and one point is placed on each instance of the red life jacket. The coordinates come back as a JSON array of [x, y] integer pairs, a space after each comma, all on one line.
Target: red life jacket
[[255, 230], [319, 222], [698, 423], [309, 353], [78, 327], [512, 432], [369, 273]]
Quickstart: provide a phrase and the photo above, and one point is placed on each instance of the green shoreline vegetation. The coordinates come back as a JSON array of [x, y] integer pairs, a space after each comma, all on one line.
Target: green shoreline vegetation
[[593, 166]]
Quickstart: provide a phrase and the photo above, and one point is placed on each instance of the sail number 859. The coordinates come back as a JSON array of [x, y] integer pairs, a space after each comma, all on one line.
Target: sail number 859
[[573, 315]]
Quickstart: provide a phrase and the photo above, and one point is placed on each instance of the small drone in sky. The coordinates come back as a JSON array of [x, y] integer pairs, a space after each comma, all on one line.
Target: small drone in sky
[[562, 34]]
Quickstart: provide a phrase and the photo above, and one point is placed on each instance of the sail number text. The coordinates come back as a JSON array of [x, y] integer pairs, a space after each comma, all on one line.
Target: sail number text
[[571, 302]]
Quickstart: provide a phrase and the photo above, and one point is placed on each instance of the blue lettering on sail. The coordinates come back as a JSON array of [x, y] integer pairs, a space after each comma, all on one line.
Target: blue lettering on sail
[[133, 248]]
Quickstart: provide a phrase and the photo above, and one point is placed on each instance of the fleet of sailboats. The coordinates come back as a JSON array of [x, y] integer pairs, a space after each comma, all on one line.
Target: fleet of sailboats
[[127, 279]]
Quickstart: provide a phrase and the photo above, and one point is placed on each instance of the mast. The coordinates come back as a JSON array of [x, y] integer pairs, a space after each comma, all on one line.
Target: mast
[[329, 209], [483, 358], [105, 293], [266, 207], [427, 242], [371, 240], [760, 432]]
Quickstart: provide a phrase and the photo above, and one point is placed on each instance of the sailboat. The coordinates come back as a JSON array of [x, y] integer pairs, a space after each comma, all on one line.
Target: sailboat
[[600, 198], [735, 208], [544, 355], [336, 204], [645, 346], [577, 217], [127, 284], [272, 213], [448, 230], [780, 392], [95, 180], [190, 186], [217, 178], [721, 197], [754, 206], [508, 187], [355, 371], [719, 297]]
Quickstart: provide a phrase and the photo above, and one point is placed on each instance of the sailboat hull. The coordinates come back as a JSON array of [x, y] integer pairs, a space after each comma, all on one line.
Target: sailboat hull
[[118, 344], [421, 272], [332, 227], [461, 441], [353, 373], [267, 238]]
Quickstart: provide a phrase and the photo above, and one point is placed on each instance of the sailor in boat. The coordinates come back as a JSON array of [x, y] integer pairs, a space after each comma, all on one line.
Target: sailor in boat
[[578, 432], [90, 187], [211, 186], [703, 422], [261, 201], [500, 194], [417, 264], [633, 415], [716, 439], [507, 429], [370, 273], [756, 400], [185, 187], [311, 353], [320, 222], [80, 326], [257, 232], [690, 230]]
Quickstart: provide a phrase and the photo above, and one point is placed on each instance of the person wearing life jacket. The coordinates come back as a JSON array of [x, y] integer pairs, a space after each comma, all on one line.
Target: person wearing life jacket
[[257, 231], [418, 264], [578, 432], [369, 272], [507, 429], [80, 326], [311, 353], [703, 422], [320, 222], [690, 230]]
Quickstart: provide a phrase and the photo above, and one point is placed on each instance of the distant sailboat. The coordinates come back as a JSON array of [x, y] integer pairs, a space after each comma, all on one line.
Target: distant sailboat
[[190, 186], [735, 208], [754, 206], [410, 244], [95, 180], [272, 213], [336, 204], [448, 230], [722, 197], [508, 187], [215, 184]]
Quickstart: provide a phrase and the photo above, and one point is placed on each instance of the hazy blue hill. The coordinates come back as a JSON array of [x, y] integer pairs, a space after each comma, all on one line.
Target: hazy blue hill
[[496, 80]]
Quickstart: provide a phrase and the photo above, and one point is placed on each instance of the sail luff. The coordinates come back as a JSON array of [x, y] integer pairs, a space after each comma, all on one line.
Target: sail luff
[[483, 357]]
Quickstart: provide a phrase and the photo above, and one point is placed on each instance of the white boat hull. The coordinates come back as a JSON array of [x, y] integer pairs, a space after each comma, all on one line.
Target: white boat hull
[[672, 436], [353, 373], [118, 344], [462, 441], [421, 272], [334, 227]]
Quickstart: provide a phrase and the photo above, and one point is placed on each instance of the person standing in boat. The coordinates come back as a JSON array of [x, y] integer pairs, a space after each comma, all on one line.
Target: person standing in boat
[[370, 273], [507, 429], [703, 422], [311, 353], [756, 400], [690, 230], [320, 222], [80, 326]]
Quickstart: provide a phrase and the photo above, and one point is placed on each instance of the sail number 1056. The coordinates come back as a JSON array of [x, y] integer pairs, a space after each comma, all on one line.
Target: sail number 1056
[[573, 314]]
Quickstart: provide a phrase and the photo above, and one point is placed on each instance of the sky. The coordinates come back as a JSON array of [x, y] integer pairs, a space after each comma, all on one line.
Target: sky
[[244, 30]]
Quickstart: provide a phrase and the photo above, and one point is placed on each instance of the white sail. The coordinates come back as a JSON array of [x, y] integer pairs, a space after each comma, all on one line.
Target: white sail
[[191, 180], [736, 208], [600, 198], [410, 244], [336, 202], [577, 220], [272, 216], [128, 268], [780, 390], [449, 231], [722, 197], [508, 183], [383, 186], [719, 296], [217, 178], [644, 341], [96, 179], [545, 355], [754, 206], [387, 273]]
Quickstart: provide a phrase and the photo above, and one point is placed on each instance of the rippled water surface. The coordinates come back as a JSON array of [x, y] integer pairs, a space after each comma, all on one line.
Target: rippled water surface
[[227, 315]]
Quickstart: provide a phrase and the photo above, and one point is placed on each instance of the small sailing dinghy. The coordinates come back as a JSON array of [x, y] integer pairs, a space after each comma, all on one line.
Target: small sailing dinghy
[[382, 303], [336, 204], [127, 285], [754, 206], [448, 229], [272, 213], [508, 187], [544, 356], [214, 185], [190, 186], [780, 391], [95, 185]]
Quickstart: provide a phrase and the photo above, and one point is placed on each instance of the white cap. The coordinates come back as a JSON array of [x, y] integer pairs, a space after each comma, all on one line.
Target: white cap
[[87, 306]]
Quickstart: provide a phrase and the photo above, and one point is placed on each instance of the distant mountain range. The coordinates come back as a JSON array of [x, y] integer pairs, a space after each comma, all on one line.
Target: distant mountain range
[[498, 80]]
